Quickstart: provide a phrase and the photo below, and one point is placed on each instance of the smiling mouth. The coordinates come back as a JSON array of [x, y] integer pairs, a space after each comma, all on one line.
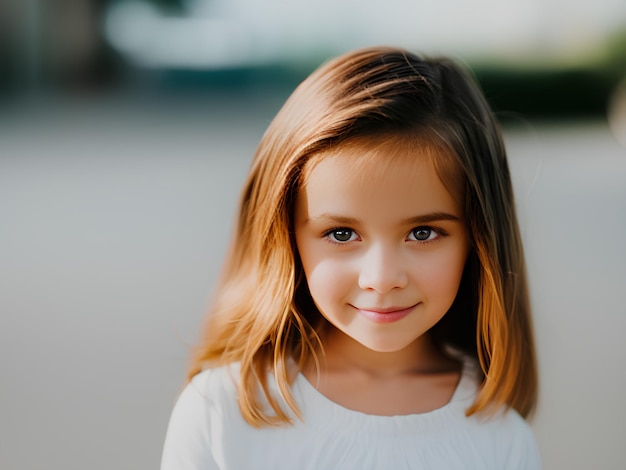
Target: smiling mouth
[[385, 315]]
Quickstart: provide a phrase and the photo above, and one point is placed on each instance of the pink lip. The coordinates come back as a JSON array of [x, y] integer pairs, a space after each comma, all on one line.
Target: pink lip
[[385, 315]]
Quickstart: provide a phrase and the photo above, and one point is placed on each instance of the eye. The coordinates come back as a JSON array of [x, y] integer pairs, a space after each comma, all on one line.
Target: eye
[[423, 234], [341, 235]]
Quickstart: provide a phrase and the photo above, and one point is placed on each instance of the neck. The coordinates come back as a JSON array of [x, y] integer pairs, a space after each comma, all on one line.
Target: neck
[[422, 356]]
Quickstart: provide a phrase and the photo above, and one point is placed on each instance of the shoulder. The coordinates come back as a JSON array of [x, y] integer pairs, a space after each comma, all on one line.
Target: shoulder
[[209, 390], [512, 439], [505, 436], [209, 398], [213, 384]]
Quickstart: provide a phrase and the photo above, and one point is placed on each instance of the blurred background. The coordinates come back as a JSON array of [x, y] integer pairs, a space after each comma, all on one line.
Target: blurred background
[[126, 130]]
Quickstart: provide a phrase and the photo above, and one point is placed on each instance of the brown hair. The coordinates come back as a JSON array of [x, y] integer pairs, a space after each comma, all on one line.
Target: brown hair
[[263, 316]]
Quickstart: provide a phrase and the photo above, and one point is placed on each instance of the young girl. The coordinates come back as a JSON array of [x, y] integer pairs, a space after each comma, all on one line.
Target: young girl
[[373, 311]]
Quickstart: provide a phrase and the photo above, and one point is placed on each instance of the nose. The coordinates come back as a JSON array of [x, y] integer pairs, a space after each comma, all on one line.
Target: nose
[[382, 270]]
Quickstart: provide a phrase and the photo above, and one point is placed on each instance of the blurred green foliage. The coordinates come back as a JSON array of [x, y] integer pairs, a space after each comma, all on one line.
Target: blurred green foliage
[[540, 93], [515, 90]]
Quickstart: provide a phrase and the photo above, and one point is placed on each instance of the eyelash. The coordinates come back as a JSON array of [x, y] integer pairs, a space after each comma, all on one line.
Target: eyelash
[[437, 231]]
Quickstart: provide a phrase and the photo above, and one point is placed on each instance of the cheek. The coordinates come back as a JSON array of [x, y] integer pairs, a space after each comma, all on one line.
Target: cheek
[[441, 275], [328, 280]]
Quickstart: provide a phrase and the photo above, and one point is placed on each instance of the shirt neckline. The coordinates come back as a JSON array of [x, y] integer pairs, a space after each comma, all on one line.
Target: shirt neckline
[[313, 400]]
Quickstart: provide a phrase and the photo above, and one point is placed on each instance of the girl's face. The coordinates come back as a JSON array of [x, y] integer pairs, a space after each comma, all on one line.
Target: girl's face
[[382, 244]]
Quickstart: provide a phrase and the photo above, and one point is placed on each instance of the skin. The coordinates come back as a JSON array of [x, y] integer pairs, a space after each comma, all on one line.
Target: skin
[[383, 246]]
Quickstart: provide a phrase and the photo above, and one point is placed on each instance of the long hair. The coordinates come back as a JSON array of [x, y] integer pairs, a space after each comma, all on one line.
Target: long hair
[[263, 316]]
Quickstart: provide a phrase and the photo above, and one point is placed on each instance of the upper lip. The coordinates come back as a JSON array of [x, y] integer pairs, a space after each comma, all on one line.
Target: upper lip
[[385, 309]]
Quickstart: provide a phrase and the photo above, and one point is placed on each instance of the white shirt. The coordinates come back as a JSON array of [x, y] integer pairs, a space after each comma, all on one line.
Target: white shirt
[[207, 431]]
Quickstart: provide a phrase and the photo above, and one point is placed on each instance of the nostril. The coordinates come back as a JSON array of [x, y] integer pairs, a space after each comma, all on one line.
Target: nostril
[[383, 278]]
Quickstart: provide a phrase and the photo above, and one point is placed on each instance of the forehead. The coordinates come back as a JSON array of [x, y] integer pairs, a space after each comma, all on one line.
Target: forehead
[[378, 154], [366, 179], [360, 160]]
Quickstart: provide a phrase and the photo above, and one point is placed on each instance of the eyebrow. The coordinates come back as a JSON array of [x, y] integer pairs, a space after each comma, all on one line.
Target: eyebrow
[[418, 219]]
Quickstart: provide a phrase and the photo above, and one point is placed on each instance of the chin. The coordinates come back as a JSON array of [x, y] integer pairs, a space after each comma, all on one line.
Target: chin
[[385, 346]]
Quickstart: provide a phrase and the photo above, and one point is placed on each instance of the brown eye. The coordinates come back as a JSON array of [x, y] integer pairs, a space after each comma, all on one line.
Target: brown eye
[[341, 235]]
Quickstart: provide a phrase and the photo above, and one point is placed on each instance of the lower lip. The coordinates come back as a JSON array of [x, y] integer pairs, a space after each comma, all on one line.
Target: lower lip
[[386, 317]]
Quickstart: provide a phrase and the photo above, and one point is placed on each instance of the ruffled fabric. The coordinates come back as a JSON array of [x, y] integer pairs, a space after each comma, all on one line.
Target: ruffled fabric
[[206, 422]]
